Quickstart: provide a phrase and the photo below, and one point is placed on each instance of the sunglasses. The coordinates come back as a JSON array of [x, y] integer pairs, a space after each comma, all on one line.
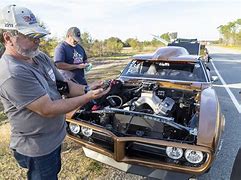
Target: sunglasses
[[35, 35], [32, 36]]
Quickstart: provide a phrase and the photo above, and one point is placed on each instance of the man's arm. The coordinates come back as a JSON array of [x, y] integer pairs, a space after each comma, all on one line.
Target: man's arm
[[46, 107], [78, 89], [66, 66]]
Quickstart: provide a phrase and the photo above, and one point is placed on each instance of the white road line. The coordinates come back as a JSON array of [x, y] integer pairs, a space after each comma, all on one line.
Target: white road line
[[235, 102], [228, 60], [233, 86]]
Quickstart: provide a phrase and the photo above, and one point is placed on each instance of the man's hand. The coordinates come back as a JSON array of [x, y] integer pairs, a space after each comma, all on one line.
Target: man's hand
[[97, 93], [82, 66], [96, 85]]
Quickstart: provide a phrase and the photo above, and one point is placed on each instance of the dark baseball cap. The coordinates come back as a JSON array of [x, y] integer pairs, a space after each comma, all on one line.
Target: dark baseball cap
[[74, 32]]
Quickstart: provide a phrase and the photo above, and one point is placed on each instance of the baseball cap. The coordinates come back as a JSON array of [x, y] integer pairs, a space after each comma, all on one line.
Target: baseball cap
[[13, 17], [75, 33]]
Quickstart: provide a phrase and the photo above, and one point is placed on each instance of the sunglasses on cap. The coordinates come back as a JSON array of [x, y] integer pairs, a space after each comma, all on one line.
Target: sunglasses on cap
[[30, 36], [35, 35]]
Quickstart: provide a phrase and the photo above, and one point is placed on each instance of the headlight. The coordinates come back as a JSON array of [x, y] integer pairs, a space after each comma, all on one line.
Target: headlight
[[194, 157], [74, 128], [86, 131], [174, 152]]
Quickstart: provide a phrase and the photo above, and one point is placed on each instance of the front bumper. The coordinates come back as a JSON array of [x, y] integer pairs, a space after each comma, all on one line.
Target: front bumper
[[135, 169], [149, 153]]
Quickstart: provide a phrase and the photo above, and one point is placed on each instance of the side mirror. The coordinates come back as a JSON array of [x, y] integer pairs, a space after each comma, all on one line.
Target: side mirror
[[214, 78], [208, 68], [120, 71]]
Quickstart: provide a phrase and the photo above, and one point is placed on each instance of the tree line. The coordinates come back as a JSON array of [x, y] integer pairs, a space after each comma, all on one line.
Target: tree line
[[231, 33], [99, 48]]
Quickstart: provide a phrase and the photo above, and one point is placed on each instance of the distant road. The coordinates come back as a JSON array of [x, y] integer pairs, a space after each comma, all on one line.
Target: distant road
[[226, 63]]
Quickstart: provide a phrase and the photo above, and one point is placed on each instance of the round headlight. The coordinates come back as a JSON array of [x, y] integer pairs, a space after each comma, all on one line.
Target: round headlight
[[174, 152], [74, 128], [193, 156], [86, 131]]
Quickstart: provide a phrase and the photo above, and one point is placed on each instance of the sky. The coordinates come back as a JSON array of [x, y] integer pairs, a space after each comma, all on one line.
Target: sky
[[134, 18]]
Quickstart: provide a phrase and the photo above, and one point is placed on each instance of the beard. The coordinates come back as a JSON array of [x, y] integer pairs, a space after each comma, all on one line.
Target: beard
[[30, 53]]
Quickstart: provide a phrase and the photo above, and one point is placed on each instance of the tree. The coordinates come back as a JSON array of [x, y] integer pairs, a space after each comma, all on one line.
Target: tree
[[113, 45], [97, 48], [224, 31], [166, 36], [147, 43], [133, 42], [86, 42], [2, 49], [231, 32], [157, 43], [48, 45]]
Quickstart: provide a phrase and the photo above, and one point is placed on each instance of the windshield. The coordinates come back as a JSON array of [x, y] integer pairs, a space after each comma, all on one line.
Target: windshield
[[183, 71]]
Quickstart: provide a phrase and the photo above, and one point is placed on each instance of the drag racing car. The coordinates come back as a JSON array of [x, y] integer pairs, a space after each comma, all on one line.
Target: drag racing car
[[161, 116]]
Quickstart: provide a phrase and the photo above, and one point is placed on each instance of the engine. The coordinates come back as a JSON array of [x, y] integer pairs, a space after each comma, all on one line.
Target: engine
[[145, 110]]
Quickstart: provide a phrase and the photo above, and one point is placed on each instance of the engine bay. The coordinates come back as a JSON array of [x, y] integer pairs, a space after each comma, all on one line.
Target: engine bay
[[146, 110]]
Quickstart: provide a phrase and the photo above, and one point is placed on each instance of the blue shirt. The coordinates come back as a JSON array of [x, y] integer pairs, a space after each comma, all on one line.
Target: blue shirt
[[71, 55]]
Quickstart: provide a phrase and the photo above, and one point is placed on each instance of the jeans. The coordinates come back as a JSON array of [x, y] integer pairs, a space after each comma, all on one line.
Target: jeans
[[44, 167]]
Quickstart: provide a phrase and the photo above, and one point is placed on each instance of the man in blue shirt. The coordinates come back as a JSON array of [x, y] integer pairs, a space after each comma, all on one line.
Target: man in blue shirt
[[70, 57]]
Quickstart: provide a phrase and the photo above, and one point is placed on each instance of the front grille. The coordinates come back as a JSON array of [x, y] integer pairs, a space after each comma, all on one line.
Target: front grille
[[141, 150], [155, 153], [102, 140], [134, 150]]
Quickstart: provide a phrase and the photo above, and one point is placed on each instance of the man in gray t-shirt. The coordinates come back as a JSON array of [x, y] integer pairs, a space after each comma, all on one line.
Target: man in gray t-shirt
[[30, 97]]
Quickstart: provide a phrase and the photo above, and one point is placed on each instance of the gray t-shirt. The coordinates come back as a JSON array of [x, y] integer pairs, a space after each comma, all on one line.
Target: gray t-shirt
[[22, 83]]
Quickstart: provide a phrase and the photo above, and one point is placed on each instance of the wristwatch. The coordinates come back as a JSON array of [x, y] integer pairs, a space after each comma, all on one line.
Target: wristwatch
[[86, 89]]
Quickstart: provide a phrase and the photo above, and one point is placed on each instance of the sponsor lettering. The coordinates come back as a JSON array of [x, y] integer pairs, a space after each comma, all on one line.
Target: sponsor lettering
[[31, 19], [8, 25], [51, 74]]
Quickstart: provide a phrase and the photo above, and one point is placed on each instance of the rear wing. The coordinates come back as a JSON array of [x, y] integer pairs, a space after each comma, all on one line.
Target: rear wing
[[192, 45]]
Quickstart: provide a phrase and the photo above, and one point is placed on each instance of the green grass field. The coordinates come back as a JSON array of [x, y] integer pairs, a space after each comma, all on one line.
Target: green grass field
[[238, 48]]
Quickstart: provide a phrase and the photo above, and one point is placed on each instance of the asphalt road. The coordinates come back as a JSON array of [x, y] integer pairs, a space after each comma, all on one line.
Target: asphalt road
[[227, 65]]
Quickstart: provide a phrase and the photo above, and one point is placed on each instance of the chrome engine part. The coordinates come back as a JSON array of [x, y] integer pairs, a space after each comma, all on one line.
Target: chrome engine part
[[145, 112], [159, 106]]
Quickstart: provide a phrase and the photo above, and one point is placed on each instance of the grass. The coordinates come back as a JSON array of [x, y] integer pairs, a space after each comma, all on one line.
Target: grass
[[238, 48], [8, 168], [76, 166], [74, 163], [3, 117]]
